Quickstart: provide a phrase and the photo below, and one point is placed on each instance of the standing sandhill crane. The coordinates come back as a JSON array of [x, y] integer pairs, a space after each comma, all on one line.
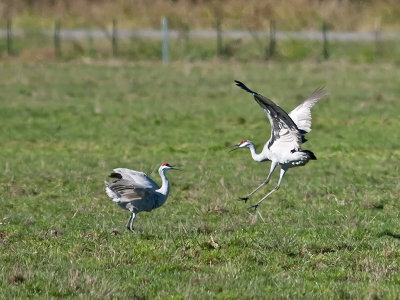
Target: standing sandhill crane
[[287, 135], [136, 192]]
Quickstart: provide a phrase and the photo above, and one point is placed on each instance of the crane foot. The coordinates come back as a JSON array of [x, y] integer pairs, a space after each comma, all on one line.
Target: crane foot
[[131, 229], [255, 206], [244, 199]]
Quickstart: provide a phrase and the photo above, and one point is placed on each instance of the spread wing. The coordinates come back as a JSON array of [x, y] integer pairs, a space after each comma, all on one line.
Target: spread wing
[[301, 115], [125, 190], [284, 132], [138, 178]]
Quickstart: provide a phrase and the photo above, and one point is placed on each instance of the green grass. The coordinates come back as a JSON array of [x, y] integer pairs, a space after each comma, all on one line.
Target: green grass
[[331, 231]]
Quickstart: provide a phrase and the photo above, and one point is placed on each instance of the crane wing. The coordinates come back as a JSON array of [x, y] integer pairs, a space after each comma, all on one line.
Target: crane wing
[[139, 178], [128, 191], [301, 115], [284, 132]]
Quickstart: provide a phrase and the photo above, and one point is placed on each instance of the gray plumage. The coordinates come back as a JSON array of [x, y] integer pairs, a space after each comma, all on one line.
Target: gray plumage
[[137, 192]]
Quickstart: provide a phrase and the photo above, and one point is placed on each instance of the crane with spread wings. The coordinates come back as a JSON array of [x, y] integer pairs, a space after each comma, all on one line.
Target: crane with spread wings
[[287, 135], [136, 192]]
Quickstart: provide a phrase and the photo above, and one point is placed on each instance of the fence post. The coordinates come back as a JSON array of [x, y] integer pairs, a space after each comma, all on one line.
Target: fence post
[[272, 40], [114, 38], [377, 38], [90, 44], [165, 40], [219, 37], [9, 38], [57, 44], [325, 50]]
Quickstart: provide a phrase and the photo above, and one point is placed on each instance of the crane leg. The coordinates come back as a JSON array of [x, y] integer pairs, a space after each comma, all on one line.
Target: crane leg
[[282, 173], [129, 222], [273, 166], [129, 225]]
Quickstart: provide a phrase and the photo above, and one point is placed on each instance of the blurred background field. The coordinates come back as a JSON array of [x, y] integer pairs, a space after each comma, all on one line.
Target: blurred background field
[[66, 121], [34, 26], [345, 15]]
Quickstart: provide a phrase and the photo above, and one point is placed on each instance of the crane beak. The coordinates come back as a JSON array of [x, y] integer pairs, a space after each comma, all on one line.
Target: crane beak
[[173, 167], [235, 147]]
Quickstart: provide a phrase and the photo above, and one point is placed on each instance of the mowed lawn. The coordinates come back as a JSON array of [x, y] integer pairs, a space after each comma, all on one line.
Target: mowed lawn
[[331, 231]]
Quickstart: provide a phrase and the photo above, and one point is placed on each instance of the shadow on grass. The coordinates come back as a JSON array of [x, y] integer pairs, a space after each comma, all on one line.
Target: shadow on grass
[[389, 233]]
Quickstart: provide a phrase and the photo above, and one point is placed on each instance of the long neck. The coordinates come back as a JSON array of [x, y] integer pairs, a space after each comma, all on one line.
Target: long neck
[[164, 189], [254, 155]]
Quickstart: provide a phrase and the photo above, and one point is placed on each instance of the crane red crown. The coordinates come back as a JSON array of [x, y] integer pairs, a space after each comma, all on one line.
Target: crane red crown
[[244, 141], [165, 164]]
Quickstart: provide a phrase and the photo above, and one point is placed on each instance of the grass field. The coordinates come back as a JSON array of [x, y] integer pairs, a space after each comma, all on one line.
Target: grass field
[[331, 231]]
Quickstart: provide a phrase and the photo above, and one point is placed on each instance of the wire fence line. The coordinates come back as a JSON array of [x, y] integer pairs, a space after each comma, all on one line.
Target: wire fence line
[[267, 38], [157, 34]]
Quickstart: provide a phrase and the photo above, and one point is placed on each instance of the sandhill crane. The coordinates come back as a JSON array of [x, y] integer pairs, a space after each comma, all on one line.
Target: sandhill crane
[[287, 134], [136, 192]]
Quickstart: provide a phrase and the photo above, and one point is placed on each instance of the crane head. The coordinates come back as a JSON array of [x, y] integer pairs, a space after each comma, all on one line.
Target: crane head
[[242, 144], [167, 166]]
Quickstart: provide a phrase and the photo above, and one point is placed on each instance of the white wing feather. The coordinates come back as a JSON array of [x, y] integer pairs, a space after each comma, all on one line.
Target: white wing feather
[[110, 193], [301, 115]]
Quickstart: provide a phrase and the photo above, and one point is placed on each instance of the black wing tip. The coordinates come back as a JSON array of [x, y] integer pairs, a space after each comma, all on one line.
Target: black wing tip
[[115, 175], [243, 86]]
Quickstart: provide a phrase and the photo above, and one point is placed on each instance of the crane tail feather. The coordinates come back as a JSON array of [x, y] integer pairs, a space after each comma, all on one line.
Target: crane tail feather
[[310, 154]]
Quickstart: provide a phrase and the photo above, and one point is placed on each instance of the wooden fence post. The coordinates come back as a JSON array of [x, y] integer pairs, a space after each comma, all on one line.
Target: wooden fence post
[[271, 51], [219, 37], [325, 50], [57, 41], [114, 38], [10, 50], [165, 40]]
